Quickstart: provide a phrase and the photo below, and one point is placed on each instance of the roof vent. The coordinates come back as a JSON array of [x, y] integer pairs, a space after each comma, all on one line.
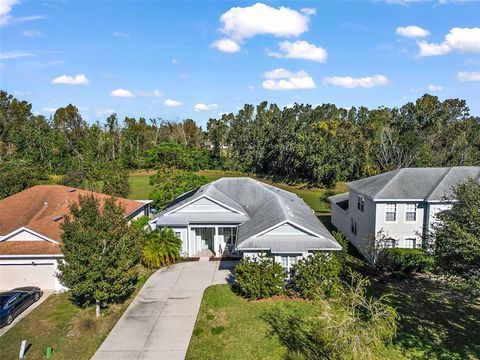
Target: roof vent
[[57, 217], [72, 190], [45, 203]]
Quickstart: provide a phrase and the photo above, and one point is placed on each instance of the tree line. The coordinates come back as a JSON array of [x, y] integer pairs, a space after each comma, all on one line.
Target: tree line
[[319, 146]]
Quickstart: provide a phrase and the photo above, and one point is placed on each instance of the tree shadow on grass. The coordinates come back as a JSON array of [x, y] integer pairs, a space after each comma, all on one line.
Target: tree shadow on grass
[[436, 322]]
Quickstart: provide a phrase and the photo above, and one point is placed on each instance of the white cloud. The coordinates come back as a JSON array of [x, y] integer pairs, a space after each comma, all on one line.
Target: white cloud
[[226, 45], [153, 93], [433, 87], [122, 93], [174, 61], [32, 33], [120, 34], [350, 82], [468, 76], [281, 79], [49, 109], [309, 11], [463, 40], [5, 9], [300, 50], [245, 22], [172, 103], [7, 55], [205, 107], [104, 112], [412, 31], [79, 79]]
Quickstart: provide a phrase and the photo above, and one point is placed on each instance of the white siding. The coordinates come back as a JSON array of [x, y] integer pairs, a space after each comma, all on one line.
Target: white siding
[[203, 205], [25, 235], [401, 229]]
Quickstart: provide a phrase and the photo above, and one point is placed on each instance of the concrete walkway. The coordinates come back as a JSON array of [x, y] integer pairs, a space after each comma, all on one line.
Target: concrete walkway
[[159, 322]]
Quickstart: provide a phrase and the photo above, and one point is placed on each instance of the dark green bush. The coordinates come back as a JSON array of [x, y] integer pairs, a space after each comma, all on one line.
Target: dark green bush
[[316, 276], [260, 278], [405, 260]]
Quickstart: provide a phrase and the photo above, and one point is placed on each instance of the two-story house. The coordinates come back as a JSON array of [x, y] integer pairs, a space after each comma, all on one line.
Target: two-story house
[[398, 205]]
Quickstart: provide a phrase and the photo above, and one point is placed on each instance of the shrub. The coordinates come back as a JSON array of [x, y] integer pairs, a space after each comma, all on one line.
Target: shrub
[[260, 278], [352, 326], [405, 260], [316, 276], [161, 248]]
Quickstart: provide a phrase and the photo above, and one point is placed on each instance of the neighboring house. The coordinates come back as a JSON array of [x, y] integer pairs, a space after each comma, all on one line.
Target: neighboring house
[[398, 205], [247, 216], [30, 233]]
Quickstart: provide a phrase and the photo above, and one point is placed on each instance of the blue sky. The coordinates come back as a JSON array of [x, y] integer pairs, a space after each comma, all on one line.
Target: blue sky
[[198, 59]]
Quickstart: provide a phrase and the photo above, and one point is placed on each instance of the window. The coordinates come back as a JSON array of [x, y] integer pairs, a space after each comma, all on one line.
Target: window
[[391, 212], [360, 203], [287, 263], [178, 234], [230, 235], [390, 243], [410, 243], [353, 226], [411, 212]]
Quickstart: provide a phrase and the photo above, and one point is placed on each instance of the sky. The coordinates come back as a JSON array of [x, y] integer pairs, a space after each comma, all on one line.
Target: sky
[[199, 59]]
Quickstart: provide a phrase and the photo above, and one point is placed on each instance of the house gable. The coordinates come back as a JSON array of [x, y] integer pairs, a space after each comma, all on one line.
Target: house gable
[[204, 204], [25, 234]]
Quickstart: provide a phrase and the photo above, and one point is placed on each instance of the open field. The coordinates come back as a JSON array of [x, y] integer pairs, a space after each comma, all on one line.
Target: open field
[[315, 198], [72, 332]]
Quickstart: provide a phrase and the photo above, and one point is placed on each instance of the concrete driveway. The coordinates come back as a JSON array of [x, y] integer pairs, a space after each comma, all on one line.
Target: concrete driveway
[[46, 294], [159, 322]]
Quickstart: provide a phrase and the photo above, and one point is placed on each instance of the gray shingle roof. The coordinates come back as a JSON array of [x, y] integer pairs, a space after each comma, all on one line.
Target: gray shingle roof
[[262, 206], [429, 184]]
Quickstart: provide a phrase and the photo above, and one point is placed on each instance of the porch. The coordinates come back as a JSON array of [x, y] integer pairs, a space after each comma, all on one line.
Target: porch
[[208, 240]]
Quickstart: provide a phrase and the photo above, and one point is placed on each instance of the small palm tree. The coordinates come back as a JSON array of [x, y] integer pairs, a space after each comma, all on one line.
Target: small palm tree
[[161, 248]]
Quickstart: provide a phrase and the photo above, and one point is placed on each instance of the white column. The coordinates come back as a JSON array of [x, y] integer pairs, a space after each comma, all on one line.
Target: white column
[[215, 242]]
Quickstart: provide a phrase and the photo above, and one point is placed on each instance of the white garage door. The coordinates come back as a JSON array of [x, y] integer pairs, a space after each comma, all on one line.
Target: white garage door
[[41, 275]]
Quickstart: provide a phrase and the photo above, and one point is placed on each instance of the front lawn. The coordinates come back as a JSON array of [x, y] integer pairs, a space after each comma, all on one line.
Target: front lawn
[[436, 323], [230, 327], [73, 333]]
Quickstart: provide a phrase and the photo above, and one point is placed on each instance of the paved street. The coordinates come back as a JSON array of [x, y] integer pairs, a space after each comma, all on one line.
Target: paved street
[[159, 322]]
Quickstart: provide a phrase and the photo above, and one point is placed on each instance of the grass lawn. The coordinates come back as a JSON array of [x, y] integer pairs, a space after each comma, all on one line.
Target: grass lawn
[[230, 327], [315, 198], [436, 323], [63, 326]]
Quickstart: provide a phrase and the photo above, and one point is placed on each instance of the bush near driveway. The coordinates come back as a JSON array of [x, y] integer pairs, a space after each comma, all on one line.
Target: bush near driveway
[[260, 278]]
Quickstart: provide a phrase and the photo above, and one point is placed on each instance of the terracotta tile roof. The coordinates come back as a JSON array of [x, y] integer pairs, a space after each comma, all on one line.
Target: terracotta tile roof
[[41, 208], [29, 248]]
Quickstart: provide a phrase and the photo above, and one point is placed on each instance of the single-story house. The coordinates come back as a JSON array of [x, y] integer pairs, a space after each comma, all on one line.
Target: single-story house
[[398, 205], [246, 216], [30, 233]]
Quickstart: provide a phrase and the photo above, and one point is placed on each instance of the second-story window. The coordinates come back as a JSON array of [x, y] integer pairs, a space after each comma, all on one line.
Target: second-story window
[[410, 212], [360, 203], [391, 212]]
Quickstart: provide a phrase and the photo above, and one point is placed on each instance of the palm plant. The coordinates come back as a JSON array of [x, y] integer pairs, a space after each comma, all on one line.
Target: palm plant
[[161, 248]]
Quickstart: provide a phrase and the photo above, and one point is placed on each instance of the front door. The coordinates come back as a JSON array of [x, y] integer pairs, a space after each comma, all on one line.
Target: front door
[[206, 235]]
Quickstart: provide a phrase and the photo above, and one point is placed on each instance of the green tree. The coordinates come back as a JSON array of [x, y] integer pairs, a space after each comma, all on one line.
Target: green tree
[[15, 178], [100, 252], [169, 184], [161, 248], [115, 180], [456, 237]]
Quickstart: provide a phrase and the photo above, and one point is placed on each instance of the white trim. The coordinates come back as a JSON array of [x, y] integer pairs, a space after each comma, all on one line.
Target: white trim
[[31, 256], [23, 228], [131, 212], [292, 223], [396, 213], [405, 213], [398, 200], [206, 197]]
